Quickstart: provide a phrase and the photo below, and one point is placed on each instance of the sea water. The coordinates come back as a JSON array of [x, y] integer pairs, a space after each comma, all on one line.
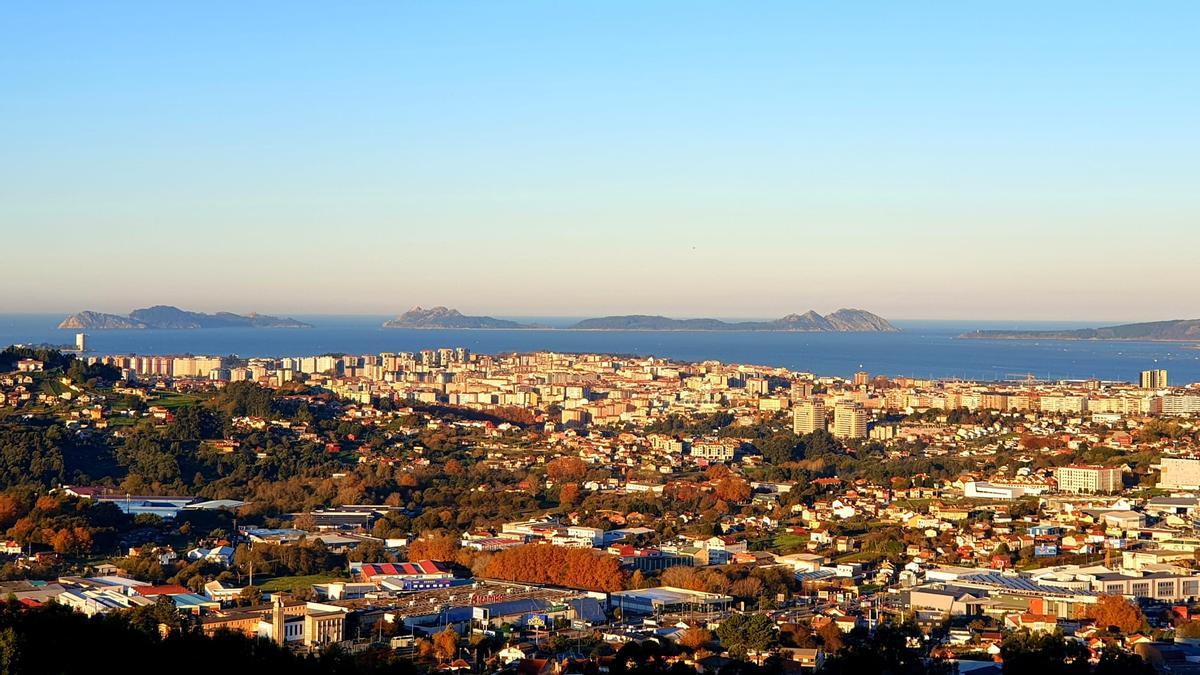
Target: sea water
[[922, 349]]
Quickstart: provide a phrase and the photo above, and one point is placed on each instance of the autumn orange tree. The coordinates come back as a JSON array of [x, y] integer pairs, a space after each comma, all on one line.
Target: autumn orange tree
[[558, 565], [1114, 611], [445, 644], [717, 472], [568, 495], [696, 638], [637, 581], [566, 469], [732, 489], [441, 547], [72, 540], [11, 510], [425, 649]]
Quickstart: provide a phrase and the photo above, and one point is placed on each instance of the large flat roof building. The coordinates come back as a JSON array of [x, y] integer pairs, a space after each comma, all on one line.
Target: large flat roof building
[[667, 599]]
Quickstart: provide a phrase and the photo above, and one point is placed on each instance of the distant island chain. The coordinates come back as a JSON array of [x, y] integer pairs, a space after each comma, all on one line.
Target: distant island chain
[[445, 318], [843, 320], [168, 317]]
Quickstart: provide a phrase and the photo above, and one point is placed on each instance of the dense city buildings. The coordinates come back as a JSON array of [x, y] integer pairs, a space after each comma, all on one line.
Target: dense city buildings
[[514, 498]]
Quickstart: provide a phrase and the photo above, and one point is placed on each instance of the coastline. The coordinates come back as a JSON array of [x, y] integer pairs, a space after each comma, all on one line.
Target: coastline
[[1028, 338], [145, 328]]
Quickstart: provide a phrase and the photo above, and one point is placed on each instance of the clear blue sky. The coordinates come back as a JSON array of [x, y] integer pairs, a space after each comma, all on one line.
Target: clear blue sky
[[923, 160]]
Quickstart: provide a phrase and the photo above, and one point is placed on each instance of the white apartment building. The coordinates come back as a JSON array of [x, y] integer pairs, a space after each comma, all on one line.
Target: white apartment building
[[808, 416], [849, 421], [1063, 404], [1186, 404], [1088, 479]]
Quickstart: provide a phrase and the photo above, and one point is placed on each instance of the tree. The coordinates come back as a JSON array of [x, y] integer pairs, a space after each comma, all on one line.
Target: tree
[[10, 510], [425, 649], [440, 547], [696, 638], [548, 564], [1116, 662], [249, 595], [194, 423], [305, 521], [716, 472], [749, 588], [742, 633], [1114, 611], [1026, 652], [566, 469], [10, 651], [682, 577], [732, 489], [369, 551], [831, 637], [637, 581], [71, 540], [568, 495], [781, 448], [445, 644]]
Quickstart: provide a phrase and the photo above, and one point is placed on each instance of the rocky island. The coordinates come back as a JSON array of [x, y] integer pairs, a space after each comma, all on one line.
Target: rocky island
[[168, 317], [444, 317], [1176, 330], [841, 321]]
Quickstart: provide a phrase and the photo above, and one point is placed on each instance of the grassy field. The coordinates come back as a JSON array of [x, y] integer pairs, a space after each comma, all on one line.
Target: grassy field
[[52, 386], [860, 556], [291, 584], [172, 400], [785, 541]]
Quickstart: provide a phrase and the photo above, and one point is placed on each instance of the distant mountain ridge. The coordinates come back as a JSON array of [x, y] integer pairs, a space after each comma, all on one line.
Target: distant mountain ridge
[[841, 321], [168, 317], [1175, 330]]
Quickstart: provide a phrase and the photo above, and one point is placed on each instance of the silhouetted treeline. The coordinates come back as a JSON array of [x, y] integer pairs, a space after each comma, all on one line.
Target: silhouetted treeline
[[53, 639]]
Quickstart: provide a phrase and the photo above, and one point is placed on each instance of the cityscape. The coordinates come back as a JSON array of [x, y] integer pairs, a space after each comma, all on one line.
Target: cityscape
[[622, 338], [550, 510]]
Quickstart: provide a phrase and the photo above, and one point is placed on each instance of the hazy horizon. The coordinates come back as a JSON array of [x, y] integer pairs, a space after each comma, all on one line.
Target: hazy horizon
[[933, 161]]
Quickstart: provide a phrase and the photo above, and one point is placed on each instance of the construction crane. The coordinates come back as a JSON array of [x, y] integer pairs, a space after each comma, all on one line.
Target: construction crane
[[1028, 378]]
